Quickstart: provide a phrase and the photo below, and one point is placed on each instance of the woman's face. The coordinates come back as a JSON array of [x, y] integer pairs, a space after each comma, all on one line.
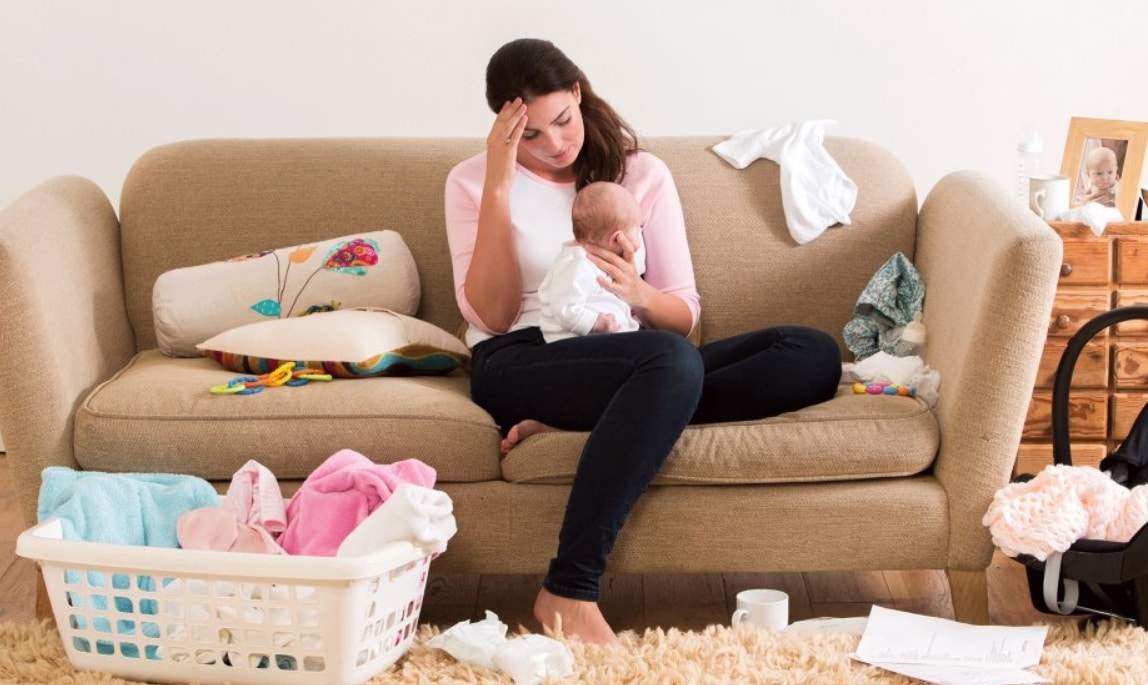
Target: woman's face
[[554, 134]]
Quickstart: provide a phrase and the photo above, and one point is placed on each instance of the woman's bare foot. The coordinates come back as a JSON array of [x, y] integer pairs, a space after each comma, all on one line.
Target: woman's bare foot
[[576, 618], [522, 430]]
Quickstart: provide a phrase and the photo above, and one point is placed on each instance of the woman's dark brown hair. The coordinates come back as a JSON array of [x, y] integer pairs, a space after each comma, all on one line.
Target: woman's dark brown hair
[[529, 68]]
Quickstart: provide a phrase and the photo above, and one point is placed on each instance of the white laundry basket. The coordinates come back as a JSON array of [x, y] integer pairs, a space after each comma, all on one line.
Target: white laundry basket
[[178, 616]]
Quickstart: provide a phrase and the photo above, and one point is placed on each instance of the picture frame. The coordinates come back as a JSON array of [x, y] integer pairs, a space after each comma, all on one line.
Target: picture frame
[[1093, 150]]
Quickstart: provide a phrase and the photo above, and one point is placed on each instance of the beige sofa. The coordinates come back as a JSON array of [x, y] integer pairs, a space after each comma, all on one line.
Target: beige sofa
[[859, 482]]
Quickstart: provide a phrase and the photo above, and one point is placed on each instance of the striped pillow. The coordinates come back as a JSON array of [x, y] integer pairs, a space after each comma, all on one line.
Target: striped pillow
[[346, 343]]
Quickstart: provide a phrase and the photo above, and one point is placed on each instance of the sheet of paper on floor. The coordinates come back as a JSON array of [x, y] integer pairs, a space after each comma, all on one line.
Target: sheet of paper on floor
[[941, 651]]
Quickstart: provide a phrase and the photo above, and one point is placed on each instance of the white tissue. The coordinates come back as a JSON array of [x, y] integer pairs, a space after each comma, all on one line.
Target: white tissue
[[1096, 215], [473, 643], [907, 371], [530, 659], [882, 366], [928, 385]]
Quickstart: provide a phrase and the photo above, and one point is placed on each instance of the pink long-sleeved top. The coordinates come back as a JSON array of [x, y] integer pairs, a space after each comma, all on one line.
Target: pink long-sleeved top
[[540, 215]]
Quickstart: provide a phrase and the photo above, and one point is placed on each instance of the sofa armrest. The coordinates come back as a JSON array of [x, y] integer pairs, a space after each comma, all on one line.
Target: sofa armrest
[[65, 325], [990, 268]]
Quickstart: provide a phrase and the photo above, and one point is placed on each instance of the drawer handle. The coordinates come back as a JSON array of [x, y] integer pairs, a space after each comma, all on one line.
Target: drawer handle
[[1063, 321], [1065, 270]]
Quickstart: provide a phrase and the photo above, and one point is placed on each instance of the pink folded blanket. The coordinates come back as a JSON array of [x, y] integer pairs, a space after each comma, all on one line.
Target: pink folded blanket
[[1061, 505], [338, 495]]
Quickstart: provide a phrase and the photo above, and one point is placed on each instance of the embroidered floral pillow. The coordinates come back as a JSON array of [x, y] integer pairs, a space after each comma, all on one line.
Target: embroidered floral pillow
[[195, 303]]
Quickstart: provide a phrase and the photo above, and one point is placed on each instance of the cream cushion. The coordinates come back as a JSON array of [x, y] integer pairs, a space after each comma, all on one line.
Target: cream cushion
[[348, 343], [373, 269]]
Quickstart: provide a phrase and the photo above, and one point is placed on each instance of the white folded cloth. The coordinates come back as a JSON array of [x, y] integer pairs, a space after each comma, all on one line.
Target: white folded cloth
[[422, 516], [815, 192], [1096, 215]]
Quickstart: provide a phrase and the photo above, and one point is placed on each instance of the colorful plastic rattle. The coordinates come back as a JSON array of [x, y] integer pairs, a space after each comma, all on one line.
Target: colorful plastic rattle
[[288, 373], [884, 388]]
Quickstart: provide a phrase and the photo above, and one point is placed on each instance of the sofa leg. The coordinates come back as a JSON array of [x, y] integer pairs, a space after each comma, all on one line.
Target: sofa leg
[[970, 593], [43, 603]]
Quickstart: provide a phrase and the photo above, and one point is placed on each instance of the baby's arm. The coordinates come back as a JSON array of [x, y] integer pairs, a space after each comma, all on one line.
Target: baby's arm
[[1095, 194], [1090, 193], [605, 323]]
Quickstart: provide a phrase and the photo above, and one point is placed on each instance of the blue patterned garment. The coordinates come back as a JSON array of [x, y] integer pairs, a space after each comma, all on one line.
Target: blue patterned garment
[[894, 294]]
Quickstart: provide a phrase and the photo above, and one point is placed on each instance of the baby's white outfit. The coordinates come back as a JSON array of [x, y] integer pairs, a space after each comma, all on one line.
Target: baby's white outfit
[[572, 298]]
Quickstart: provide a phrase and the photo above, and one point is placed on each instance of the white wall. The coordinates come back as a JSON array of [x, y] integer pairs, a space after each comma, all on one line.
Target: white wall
[[86, 87]]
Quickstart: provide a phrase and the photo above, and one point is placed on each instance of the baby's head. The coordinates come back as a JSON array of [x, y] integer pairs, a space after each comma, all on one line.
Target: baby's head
[[1100, 163], [601, 211]]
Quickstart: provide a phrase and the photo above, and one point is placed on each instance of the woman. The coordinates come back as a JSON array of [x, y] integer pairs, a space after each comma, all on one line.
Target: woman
[[507, 215]]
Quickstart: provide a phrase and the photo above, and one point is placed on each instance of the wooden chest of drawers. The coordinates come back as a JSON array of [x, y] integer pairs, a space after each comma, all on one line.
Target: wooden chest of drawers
[[1110, 382]]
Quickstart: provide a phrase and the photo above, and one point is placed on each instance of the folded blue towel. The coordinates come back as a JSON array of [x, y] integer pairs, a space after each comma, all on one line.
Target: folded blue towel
[[121, 508]]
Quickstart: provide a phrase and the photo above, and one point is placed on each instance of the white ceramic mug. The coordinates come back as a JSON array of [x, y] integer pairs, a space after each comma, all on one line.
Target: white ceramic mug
[[1048, 196], [762, 608]]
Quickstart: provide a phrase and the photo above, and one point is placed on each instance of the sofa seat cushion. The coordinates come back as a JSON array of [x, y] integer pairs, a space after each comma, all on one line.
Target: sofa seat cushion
[[156, 415], [847, 438]]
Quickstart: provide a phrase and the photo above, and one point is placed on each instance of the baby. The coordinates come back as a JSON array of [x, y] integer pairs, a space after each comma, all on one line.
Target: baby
[[1103, 177], [573, 301]]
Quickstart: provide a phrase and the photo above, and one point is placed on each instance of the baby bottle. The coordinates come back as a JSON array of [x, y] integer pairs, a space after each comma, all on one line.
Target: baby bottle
[[912, 340], [1028, 151]]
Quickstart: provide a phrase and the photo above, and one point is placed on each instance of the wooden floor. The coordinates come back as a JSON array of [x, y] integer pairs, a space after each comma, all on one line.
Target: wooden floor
[[630, 602]]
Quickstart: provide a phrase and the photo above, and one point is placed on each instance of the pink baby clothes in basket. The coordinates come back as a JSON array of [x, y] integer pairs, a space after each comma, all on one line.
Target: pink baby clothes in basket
[[255, 498], [338, 495], [248, 519]]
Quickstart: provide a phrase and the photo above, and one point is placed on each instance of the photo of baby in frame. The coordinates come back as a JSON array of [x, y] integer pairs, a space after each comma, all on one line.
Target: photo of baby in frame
[[1104, 159], [1100, 167]]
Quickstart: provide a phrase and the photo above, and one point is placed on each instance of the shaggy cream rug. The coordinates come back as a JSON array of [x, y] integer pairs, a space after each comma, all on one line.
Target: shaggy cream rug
[[1102, 654]]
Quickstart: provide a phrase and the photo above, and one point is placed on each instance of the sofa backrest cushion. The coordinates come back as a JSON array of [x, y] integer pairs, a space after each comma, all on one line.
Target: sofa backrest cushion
[[194, 202], [750, 272]]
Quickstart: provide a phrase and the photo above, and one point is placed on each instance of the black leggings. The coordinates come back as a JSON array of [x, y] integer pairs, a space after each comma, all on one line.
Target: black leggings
[[635, 393]]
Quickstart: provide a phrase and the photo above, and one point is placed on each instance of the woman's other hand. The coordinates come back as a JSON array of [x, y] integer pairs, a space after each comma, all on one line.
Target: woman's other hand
[[624, 280]]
